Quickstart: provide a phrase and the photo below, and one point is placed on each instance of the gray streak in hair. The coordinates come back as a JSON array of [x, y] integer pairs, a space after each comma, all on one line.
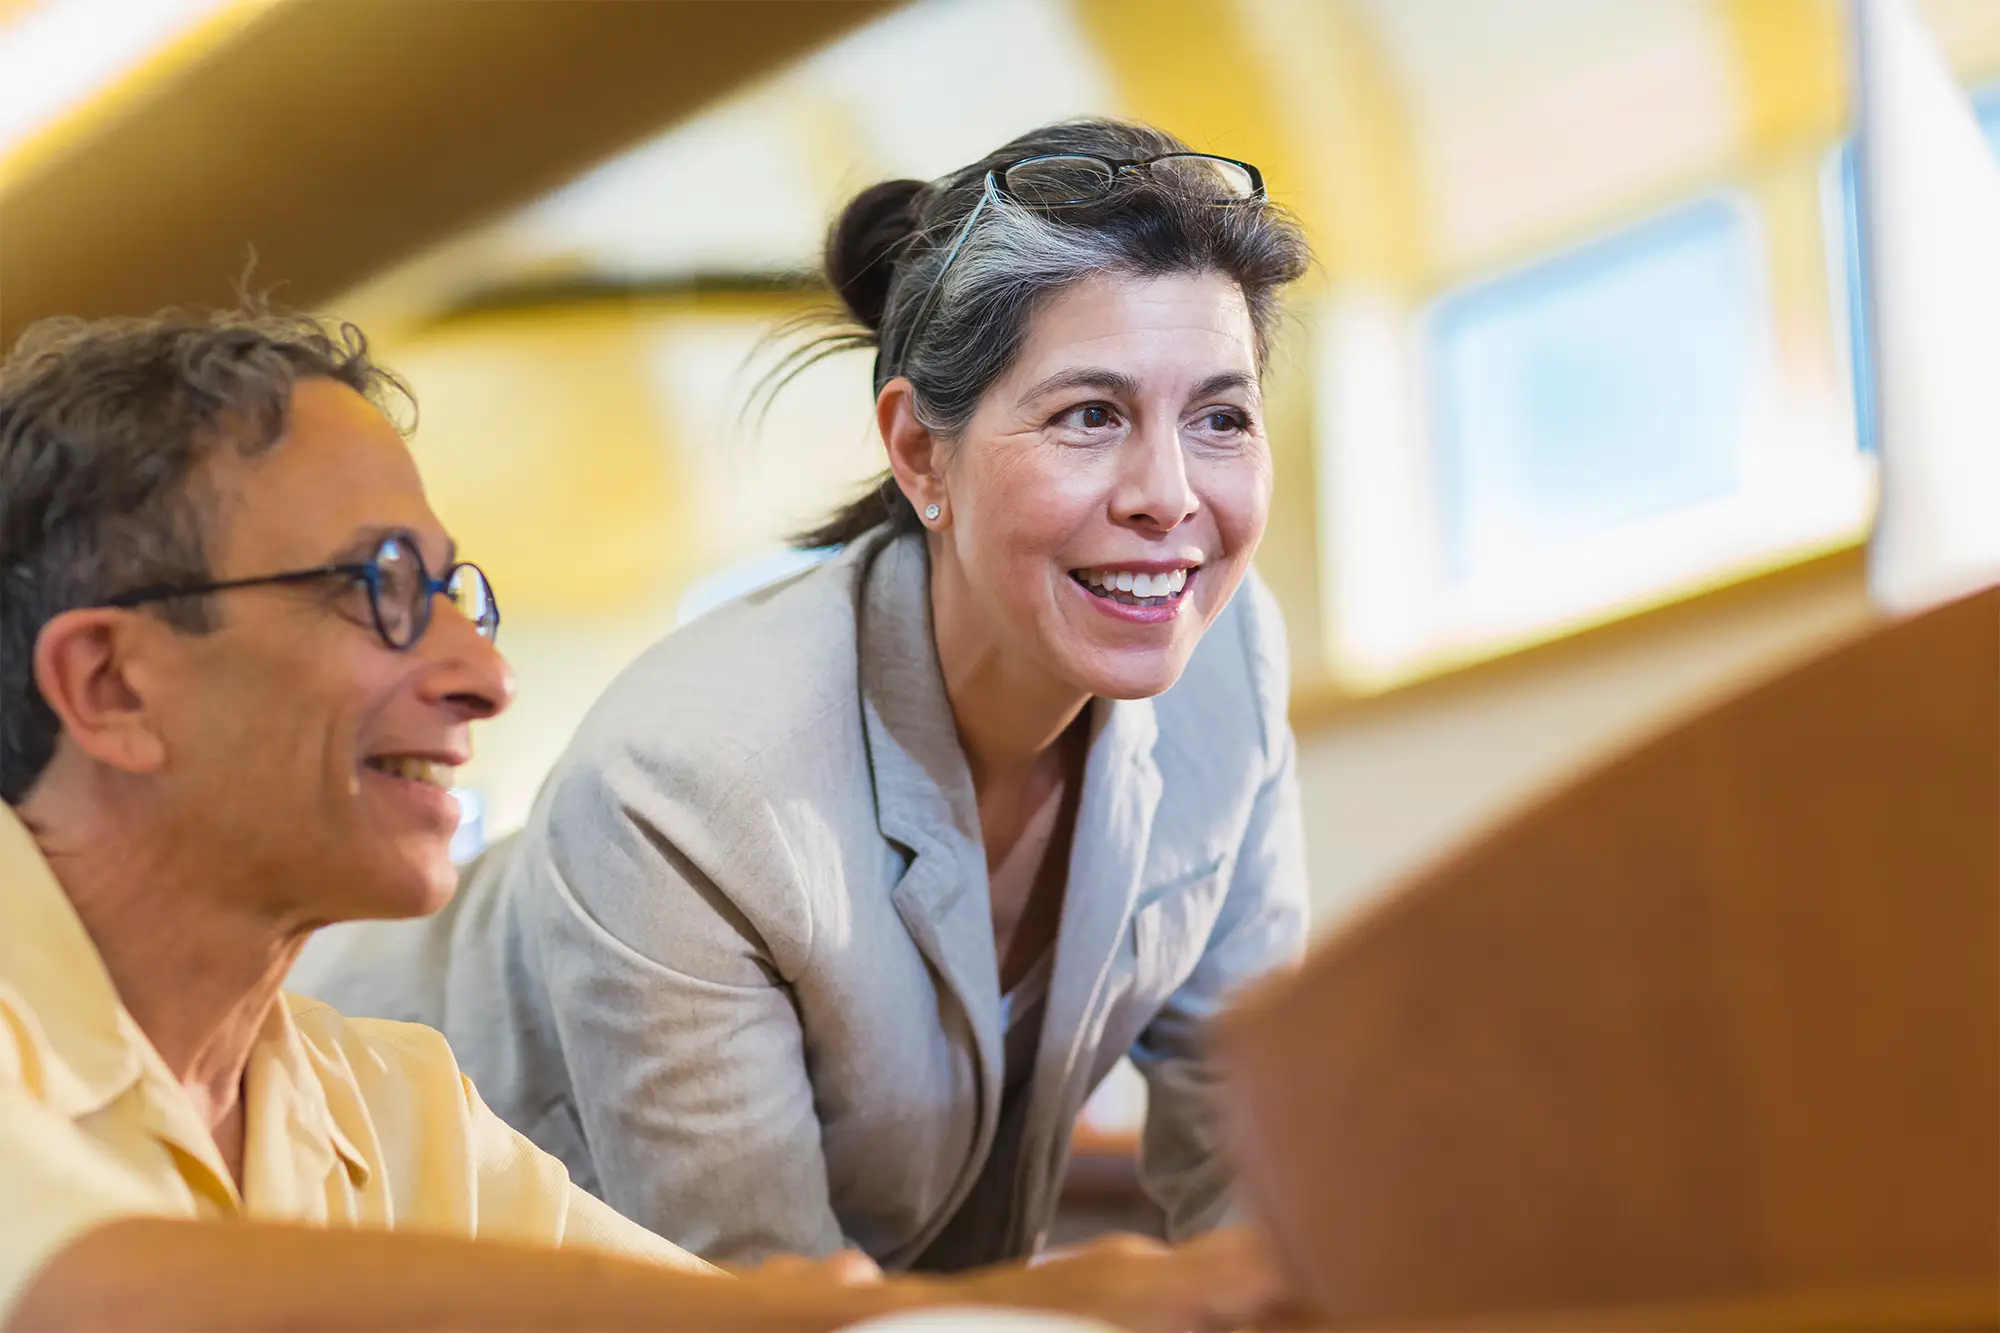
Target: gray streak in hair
[[885, 251]]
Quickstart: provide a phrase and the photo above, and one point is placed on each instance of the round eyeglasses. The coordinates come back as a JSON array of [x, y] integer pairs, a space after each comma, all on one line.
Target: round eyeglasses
[[401, 591], [1070, 180]]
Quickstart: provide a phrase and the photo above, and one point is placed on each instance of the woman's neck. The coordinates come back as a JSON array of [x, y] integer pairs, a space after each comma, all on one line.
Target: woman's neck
[[1025, 746], [1009, 711]]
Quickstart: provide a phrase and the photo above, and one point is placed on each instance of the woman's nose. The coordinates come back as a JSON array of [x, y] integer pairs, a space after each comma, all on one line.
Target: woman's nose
[[1153, 488]]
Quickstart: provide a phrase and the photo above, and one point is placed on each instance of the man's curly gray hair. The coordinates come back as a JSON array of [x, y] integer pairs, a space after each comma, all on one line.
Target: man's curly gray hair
[[104, 426]]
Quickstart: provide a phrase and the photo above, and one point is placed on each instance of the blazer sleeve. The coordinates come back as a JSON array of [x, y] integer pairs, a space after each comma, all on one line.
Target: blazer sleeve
[[682, 1043], [1261, 927]]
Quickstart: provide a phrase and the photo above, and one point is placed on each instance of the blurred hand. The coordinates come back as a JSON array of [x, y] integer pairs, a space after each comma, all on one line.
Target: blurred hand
[[1222, 1281], [843, 1268]]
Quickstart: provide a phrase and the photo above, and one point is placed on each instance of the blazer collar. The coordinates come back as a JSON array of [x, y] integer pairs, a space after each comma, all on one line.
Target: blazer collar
[[925, 803], [923, 789], [1114, 833], [924, 800]]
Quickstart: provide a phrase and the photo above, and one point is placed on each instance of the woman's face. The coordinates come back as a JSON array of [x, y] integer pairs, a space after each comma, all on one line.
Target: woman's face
[[1109, 491]]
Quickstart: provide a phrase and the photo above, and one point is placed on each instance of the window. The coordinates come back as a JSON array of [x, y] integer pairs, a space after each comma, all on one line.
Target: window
[[1843, 227], [1597, 388], [1613, 425]]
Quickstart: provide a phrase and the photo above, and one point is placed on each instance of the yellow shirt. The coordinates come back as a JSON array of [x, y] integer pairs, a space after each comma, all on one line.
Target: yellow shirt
[[347, 1122]]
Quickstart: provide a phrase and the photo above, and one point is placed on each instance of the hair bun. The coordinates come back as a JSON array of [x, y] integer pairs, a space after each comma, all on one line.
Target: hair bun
[[861, 251]]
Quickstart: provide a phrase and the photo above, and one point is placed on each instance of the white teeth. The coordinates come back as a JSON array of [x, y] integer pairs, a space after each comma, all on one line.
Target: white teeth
[[1141, 586], [417, 770]]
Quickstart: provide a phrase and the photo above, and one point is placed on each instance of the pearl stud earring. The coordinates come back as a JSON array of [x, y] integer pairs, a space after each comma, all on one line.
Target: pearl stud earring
[[931, 512]]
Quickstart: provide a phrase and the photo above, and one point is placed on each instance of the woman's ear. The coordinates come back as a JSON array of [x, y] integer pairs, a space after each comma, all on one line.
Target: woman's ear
[[914, 455]]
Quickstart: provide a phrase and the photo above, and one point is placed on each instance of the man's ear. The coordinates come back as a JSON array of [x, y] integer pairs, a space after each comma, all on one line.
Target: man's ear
[[914, 456], [92, 667]]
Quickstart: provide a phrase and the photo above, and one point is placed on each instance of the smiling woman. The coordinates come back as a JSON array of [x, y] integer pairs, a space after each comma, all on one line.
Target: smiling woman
[[847, 894], [1112, 451]]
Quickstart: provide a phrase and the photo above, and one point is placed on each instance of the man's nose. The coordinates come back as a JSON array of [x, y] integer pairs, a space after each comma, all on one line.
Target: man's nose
[[473, 676]]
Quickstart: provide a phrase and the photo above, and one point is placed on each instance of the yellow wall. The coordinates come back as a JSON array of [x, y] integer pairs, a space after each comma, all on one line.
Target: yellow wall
[[1394, 783], [597, 459]]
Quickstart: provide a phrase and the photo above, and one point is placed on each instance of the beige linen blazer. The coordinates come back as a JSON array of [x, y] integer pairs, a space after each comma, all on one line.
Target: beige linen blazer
[[738, 970]]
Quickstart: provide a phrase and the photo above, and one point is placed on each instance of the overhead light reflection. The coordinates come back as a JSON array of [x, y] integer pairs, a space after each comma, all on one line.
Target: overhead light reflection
[[57, 54]]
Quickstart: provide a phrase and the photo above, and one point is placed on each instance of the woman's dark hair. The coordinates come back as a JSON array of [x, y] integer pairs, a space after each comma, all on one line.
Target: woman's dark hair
[[884, 253]]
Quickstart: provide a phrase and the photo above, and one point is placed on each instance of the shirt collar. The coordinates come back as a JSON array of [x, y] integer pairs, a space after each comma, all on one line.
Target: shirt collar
[[97, 1048], [292, 1081], [48, 959]]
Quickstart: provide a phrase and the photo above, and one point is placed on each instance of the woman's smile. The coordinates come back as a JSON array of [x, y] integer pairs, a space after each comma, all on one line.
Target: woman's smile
[[1144, 594]]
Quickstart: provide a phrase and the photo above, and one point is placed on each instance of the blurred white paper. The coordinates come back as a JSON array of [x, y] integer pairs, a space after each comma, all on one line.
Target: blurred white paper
[[1930, 231], [979, 1319]]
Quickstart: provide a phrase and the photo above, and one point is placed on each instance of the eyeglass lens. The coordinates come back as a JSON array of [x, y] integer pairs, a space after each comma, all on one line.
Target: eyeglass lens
[[473, 596], [1051, 182], [402, 592], [1206, 175]]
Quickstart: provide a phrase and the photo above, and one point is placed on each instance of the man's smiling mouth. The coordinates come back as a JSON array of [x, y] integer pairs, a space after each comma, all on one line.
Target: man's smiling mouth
[[410, 768]]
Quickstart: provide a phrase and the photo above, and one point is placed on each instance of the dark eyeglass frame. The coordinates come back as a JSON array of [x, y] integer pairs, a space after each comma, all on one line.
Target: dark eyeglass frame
[[996, 188], [368, 572]]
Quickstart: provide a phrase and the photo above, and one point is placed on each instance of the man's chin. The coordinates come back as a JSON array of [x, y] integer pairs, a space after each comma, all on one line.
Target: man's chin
[[404, 891], [435, 892]]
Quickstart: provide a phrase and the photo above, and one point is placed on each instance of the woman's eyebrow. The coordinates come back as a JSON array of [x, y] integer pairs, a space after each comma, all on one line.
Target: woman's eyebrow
[[1228, 379], [1084, 377]]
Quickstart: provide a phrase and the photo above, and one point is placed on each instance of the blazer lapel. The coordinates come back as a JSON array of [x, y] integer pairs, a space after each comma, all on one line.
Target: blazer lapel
[[925, 803], [1114, 829]]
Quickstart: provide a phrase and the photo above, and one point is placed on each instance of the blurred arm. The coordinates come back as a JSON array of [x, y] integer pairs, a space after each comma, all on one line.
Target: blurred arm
[[82, 1247], [142, 1274]]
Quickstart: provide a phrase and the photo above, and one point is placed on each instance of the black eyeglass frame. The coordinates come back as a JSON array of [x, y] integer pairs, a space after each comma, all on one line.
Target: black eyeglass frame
[[995, 188], [368, 572]]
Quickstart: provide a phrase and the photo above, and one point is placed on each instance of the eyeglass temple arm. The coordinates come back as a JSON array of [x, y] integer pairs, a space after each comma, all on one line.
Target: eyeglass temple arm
[[159, 592], [950, 257]]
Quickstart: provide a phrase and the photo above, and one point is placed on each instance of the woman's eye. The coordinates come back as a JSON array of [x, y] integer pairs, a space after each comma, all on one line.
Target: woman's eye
[[1090, 416]]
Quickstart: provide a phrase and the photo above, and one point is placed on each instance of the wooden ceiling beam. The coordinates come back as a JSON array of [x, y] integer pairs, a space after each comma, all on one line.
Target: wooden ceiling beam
[[337, 137]]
